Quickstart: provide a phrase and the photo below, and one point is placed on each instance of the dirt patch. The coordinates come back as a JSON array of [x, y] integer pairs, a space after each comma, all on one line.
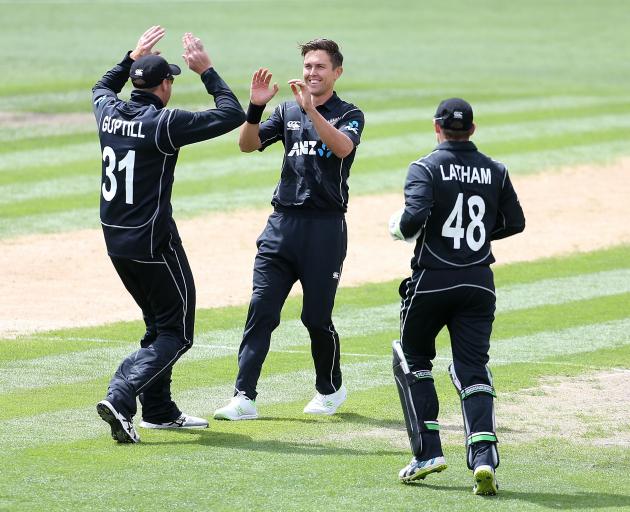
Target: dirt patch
[[24, 119], [591, 409], [66, 279]]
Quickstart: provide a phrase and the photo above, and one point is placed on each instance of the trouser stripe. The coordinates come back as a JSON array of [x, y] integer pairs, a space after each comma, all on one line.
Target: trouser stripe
[[184, 298], [422, 375], [332, 365], [477, 388], [482, 436], [402, 326]]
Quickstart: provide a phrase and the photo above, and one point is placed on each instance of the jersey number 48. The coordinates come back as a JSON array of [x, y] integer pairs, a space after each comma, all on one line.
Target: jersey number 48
[[126, 164], [453, 228]]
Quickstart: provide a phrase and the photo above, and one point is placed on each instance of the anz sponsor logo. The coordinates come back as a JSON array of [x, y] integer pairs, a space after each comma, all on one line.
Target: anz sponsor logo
[[352, 126], [307, 147], [293, 125], [304, 147]]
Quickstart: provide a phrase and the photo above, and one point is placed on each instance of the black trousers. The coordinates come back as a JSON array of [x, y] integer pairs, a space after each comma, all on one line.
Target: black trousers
[[463, 300], [295, 246], [164, 289]]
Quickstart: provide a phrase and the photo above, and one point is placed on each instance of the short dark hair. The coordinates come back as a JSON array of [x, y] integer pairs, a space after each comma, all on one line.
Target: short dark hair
[[456, 134], [328, 45]]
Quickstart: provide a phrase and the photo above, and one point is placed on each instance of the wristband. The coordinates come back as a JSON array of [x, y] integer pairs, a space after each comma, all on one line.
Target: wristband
[[254, 113]]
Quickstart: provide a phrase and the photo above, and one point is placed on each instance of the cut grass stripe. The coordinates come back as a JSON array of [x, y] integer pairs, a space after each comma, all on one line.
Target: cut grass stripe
[[563, 266], [87, 183], [214, 370], [299, 385], [41, 157], [547, 344], [353, 321], [14, 221], [380, 142], [288, 387], [483, 109], [563, 289], [86, 365]]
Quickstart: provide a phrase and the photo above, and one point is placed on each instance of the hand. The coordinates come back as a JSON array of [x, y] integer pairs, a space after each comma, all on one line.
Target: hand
[[394, 228], [194, 55], [260, 94], [394, 225], [302, 94], [147, 41]]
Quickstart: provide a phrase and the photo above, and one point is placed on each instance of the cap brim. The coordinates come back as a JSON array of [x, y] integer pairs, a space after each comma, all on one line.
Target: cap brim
[[175, 69]]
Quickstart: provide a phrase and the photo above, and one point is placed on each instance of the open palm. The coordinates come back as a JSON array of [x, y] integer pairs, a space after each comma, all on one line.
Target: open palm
[[261, 93]]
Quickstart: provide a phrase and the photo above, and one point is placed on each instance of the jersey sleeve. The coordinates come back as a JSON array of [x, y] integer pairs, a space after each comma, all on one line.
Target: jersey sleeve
[[111, 84], [418, 199], [351, 124], [184, 127], [272, 130], [510, 216]]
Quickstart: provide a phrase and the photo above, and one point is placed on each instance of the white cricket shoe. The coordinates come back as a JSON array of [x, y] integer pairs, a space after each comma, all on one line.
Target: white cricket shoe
[[485, 481], [326, 404], [239, 408], [184, 421], [419, 469], [122, 428]]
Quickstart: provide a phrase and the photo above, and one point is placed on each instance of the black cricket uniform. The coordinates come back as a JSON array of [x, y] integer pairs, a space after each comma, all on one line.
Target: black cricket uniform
[[140, 141], [459, 200], [305, 239]]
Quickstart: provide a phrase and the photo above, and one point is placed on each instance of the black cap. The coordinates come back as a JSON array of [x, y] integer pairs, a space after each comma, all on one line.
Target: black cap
[[454, 114], [150, 70]]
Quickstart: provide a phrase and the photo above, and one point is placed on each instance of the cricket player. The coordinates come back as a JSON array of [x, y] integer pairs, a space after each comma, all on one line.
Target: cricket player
[[140, 142], [306, 235], [457, 200]]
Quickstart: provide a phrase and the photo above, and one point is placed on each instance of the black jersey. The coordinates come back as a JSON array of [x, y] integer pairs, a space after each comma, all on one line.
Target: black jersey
[[140, 141], [312, 177], [461, 200]]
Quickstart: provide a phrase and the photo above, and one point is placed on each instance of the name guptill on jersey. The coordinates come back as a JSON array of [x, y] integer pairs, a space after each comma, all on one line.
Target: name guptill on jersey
[[120, 127], [466, 174]]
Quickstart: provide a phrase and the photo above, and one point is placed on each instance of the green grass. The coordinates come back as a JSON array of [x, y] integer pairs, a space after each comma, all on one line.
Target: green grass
[[562, 317], [549, 90], [543, 76]]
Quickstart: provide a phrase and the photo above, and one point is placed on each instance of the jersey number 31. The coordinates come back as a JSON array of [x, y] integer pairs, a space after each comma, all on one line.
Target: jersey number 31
[[452, 227], [126, 164]]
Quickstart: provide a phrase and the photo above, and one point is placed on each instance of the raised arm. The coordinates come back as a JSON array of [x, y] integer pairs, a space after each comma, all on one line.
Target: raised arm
[[189, 127], [115, 79], [339, 143], [260, 95]]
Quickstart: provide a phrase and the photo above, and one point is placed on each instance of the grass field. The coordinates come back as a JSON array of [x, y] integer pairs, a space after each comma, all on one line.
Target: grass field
[[563, 318], [545, 78], [548, 80]]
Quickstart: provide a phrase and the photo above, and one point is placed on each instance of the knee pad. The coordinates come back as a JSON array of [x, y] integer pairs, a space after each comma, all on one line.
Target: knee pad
[[477, 401], [417, 398]]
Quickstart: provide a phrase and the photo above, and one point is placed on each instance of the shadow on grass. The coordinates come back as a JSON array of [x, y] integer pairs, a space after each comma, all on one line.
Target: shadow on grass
[[559, 501], [353, 417], [208, 437], [288, 419], [343, 417], [577, 501]]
